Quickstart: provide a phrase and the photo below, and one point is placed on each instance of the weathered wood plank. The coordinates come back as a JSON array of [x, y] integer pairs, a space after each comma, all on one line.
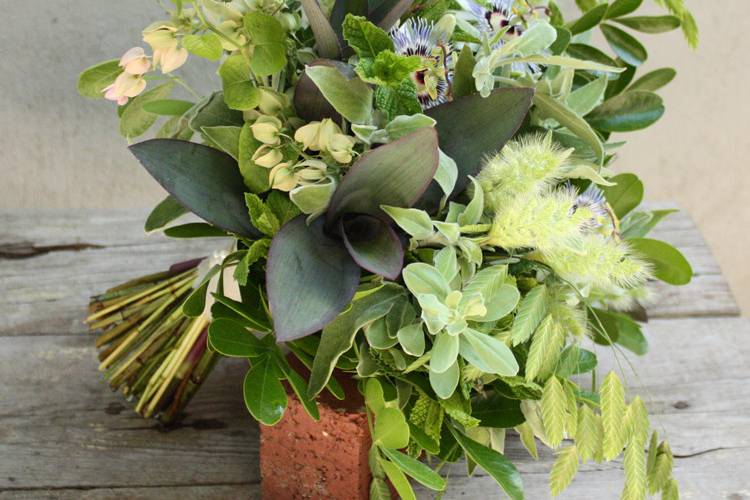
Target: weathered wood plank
[[177, 492], [89, 251], [61, 428]]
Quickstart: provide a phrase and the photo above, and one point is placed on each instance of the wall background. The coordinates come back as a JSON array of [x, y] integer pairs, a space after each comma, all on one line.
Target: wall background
[[59, 150]]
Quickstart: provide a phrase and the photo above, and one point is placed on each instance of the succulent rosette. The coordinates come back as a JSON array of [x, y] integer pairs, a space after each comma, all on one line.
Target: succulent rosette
[[419, 194]]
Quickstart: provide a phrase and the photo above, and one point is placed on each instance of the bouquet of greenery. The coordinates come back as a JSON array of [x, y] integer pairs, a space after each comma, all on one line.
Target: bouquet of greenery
[[418, 193]]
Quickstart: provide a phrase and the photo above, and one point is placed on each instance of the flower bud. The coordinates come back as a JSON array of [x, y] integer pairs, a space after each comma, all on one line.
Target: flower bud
[[341, 148], [170, 59], [160, 35], [271, 102], [266, 129], [267, 157], [135, 61], [124, 86], [282, 177]]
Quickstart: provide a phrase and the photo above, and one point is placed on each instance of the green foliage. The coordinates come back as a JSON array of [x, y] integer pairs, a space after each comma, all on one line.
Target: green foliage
[[349, 96], [612, 396], [265, 396], [93, 80], [135, 120], [388, 68], [553, 412], [563, 470], [544, 352], [268, 37], [400, 99], [633, 110], [165, 212], [207, 45], [365, 38], [669, 264]]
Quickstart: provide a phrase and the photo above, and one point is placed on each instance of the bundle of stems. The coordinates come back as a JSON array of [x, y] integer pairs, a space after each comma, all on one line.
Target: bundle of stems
[[149, 349]]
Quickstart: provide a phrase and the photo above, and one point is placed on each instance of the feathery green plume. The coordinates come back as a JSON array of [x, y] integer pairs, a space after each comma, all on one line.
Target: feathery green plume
[[553, 411], [635, 472], [525, 166], [545, 221], [590, 434], [612, 396], [544, 352], [563, 470]]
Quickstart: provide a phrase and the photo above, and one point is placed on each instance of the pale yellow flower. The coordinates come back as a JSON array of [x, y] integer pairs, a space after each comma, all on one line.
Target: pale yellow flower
[[315, 136], [162, 37], [124, 87], [271, 102], [170, 59], [267, 129], [267, 157], [135, 61], [341, 148], [282, 177], [310, 171]]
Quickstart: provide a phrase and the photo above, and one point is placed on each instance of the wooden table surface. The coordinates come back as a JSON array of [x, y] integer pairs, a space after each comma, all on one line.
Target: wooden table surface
[[64, 434]]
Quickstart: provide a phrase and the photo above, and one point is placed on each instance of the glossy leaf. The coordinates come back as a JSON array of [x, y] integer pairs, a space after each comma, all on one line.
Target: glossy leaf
[[264, 393], [494, 410], [654, 80], [374, 245], [231, 338], [299, 386], [471, 128], [621, 329], [165, 212], [200, 178], [620, 8], [388, 12], [310, 279], [416, 469], [195, 230], [250, 313], [495, 464], [588, 20], [395, 174], [338, 335], [668, 263], [625, 195], [398, 480], [650, 24], [351, 97], [195, 303], [627, 112], [625, 46]]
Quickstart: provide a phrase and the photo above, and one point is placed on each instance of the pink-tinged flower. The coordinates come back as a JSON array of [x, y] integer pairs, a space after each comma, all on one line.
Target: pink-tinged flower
[[124, 87], [170, 59], [135, 61]]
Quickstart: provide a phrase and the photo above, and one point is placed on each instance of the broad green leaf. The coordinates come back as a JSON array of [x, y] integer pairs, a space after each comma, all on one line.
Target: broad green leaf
[[488, 281], [574, 361], [416, 469], [494, 410], [495, 464], [654, 80], [475, 208], [625, 195], [207, 45], [310, 279], [165, 212], [493, 353], [327, 42], [374, 245], [444, 384], [650, 24], [252, 315], [195, 230], [463, 78], [232, 339], [195, 303], [502, 303], [299, 386], [622, 328], [668, 263], [261, 215], [213, 112], [235, 68], [313, 198], [444, 352], [349, 96], [627, 112], [135, 120], [200, 178], [268, 38], [530, 314], [93, 80], [416, 223], [588, 20], [399, 99], [405, 125], [391, 429], [338, 335], [254, 176], [588, 53], [225, 138], [625, 46], [584, 171], [411, 338], [423, 278], [168, 107], [561, 42], [446, 261], [620, 8], [534, 40], [242, 96], [365, 38], [398, 480], [472, 127], [551, 108], [582, 100], [639, 224], [378, 177], [265, 396]]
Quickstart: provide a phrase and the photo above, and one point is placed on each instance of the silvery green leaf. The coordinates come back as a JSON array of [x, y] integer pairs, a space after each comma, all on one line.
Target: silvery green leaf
[[434, 313], [366, 365], [416, 223], [444, 384], [471, 251], [444, 352], [582, 100], [349, 96], [502, 303], [313, 199], [534, 40], [446, 174], [406, 124], [364, 132], [454, 210], [451, 231], [493, 353], [423, 278], [588, 172], [411, 338], [447, 263], [564, 61], [483, 77], [377, 335], [475, 208]]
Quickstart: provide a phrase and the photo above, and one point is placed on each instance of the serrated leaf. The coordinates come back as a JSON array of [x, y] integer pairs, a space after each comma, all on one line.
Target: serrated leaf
[[563, 470], [613, 407], [530, 314], [365, 38], [261, 215]]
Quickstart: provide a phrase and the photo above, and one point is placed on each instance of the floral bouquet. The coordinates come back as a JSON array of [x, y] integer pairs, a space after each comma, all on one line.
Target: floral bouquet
[[419, 199]]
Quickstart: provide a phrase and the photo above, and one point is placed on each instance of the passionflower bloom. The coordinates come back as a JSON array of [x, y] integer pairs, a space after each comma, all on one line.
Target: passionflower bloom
[[418, 37], [593, 199]]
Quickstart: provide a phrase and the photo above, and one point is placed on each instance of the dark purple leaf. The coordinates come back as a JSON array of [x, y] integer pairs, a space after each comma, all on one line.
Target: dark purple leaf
[[373, 244]]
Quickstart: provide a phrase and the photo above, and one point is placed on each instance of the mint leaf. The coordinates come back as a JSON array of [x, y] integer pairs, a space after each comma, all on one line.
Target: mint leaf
[[365, 38], [388, 68], [398, 100]]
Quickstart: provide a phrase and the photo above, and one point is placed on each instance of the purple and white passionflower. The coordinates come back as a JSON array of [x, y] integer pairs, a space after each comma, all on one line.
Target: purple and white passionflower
[[418, 37], [593, 199], [494, 15]]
